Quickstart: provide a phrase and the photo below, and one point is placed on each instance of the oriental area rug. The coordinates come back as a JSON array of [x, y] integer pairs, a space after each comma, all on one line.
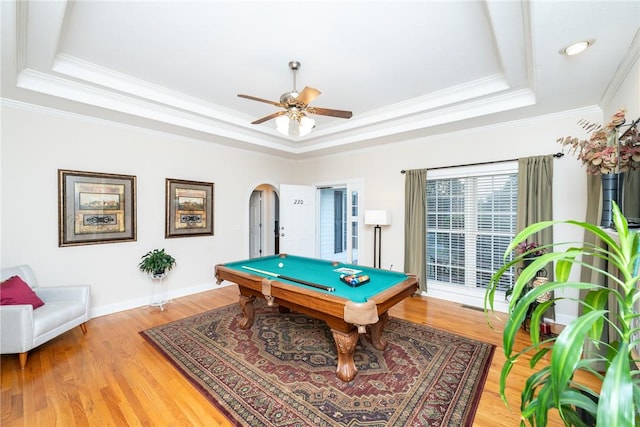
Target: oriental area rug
[[281, 372]]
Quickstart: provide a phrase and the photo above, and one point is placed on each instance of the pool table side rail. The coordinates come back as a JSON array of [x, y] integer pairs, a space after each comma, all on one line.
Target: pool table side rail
[[297, 297], [390, 297]]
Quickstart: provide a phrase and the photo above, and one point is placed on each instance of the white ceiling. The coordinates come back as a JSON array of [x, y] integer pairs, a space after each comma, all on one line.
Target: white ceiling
[[405, 68]]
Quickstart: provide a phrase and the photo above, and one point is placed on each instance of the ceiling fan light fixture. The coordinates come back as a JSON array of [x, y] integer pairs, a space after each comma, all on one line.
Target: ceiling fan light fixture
[[577, 47], [294, 123], [282, 124], [306, 125]]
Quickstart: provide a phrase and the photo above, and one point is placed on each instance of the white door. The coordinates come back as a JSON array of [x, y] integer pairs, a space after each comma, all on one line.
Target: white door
[[298, 220], [255, 225]]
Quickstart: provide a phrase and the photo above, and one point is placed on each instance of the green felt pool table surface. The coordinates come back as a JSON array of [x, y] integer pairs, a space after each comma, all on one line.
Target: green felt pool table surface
[[322, 272]]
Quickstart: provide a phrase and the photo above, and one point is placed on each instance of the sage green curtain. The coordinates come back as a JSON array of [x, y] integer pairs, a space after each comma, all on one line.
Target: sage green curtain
[[631, 190], [415, 228], [593, 216], [594, 212], [535, 201]]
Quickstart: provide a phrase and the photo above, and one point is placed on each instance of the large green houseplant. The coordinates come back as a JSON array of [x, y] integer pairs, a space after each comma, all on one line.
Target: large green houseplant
[[552, 386], [156, 263]]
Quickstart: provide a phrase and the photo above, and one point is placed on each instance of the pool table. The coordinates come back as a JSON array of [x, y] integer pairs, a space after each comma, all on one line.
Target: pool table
[[313, 287]]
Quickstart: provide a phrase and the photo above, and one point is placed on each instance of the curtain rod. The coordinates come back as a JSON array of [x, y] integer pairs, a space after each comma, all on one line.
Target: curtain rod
[[556, 155], [631, 126]]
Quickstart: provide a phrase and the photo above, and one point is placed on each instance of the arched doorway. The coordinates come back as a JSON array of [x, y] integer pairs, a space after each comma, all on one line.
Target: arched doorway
[[264, 212]]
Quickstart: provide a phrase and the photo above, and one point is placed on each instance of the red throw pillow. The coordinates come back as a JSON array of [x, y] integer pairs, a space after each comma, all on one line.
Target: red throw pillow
[[14, 291]]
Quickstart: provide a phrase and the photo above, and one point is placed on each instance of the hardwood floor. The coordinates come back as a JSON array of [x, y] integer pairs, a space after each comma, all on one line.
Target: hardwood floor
[[113, 377]]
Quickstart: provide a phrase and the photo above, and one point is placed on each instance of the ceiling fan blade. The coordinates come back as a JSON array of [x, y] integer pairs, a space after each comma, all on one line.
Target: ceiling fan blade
[[307, 95], [253, 98], [330, 112], [269, 117]]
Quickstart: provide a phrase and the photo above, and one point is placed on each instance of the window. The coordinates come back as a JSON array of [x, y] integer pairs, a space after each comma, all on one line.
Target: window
[[471, 219]]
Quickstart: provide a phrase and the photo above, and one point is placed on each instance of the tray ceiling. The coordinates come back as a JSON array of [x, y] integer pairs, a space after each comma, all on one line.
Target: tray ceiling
[[405, 69]]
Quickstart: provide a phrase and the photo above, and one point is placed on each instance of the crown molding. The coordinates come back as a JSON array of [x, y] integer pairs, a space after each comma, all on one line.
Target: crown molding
[[63, 88], [91, 73], [104, 77], [21, 16], [502, 102], [88, 118], [623, 70], [86, 83], [292, 153]]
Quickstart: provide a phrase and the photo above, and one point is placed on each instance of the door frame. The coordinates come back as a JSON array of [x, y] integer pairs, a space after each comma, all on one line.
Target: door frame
[[270, 214], [350, 185]]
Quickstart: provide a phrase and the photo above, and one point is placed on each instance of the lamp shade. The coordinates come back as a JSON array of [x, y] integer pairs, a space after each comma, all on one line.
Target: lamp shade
[[294, 123], [305, 125], [377, 217], [282, 124]]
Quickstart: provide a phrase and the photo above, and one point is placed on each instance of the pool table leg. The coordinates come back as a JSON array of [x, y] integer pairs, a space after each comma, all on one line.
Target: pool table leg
[[376, 332], [246, 304], [346, 345]]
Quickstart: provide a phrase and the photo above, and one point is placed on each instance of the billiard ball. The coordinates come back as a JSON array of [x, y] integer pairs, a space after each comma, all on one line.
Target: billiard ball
[[280, 265]]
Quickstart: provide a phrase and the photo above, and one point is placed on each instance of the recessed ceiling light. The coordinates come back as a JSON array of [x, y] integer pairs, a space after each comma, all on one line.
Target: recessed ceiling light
[[576, 48]]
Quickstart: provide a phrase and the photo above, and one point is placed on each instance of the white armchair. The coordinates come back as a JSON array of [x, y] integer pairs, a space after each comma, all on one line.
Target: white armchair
[[22, 328]]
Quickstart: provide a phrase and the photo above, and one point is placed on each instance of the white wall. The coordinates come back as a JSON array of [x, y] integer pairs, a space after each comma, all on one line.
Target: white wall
[[36, 144], [379, 168]]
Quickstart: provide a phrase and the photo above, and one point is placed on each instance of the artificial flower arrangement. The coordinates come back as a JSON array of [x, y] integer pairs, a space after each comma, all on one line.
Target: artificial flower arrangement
[[600, 152]]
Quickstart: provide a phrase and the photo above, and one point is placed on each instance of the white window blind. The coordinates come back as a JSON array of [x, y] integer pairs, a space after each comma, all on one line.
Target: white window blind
[[471, 220]]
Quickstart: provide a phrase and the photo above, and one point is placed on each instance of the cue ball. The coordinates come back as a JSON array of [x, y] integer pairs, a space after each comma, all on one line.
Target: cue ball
[[281, 265]]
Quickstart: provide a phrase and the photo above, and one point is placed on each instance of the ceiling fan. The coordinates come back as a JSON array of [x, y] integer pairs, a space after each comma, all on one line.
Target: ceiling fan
[[293, 119]]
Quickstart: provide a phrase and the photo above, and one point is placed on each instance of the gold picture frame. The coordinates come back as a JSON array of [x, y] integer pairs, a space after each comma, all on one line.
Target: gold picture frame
[[189, 208], [95, 208]]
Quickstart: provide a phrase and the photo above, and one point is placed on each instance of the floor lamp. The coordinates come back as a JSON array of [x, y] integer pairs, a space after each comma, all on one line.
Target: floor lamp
[[377, 218]]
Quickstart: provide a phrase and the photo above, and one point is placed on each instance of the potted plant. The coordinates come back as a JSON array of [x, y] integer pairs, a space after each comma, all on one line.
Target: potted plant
[[602, 152], [527, 252], [553, 386], [606, 154], [156, 263]]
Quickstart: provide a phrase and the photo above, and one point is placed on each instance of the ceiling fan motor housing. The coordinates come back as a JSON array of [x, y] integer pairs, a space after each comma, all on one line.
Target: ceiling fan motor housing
[[289, 99]]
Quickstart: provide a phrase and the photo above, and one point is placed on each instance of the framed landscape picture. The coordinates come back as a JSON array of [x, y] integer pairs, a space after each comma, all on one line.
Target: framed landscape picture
[[95, 208], [189, 210]]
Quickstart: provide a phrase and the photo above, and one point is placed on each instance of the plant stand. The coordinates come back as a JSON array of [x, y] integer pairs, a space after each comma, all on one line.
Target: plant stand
[[158, 291], [541, 277]]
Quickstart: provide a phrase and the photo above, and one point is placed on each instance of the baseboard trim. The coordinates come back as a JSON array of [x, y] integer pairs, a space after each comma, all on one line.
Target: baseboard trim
[[143, 301]]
